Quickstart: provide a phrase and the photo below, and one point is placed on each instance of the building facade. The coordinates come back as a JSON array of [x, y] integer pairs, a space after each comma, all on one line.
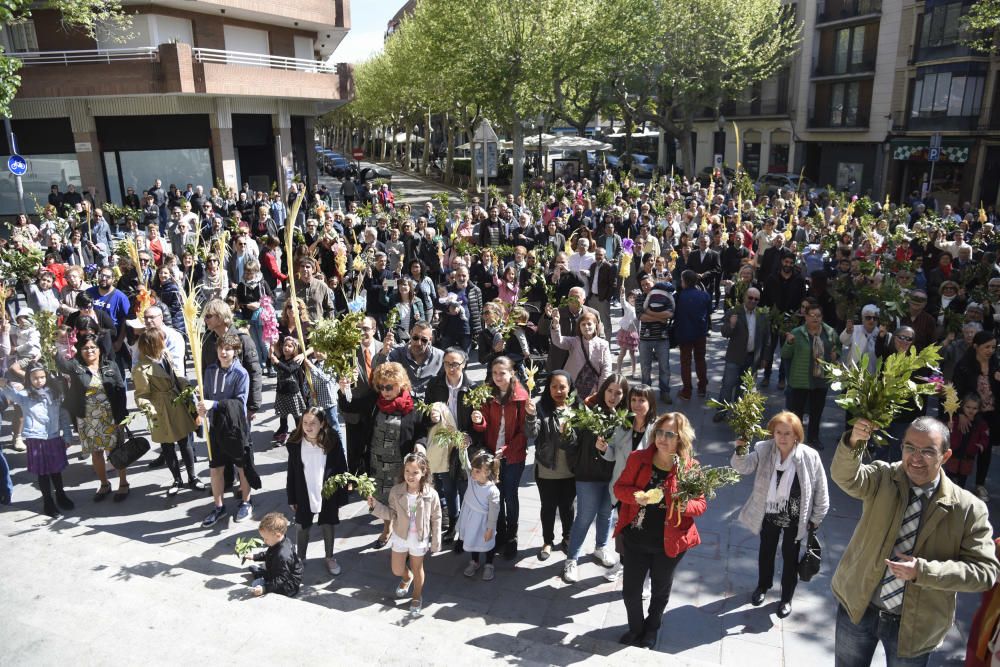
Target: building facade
[[196, 92], [873, 82]]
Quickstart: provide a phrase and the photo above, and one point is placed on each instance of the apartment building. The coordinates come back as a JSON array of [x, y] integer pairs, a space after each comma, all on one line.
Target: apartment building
[[197, 91], [943, 88]]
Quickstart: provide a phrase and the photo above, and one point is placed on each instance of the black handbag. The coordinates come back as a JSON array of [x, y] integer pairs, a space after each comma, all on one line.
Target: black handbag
[[810, 562], [127, 452]]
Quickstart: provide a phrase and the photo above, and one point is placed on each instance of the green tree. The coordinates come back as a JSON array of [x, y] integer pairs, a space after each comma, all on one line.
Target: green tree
[[87, 16], [981, 24], [677, 58]]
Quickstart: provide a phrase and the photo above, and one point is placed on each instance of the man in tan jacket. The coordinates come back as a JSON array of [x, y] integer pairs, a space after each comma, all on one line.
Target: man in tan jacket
[[920, 540]]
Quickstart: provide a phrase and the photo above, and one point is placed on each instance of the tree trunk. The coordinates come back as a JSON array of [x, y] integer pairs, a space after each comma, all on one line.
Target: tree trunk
[[517, 173], [407, 148], [427, 142], [449, 163]]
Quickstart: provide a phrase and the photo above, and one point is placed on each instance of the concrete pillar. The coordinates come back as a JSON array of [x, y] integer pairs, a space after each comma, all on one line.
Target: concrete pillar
[[223, 151], [281, 123], [765, 151], [312, 174], [88, 154]]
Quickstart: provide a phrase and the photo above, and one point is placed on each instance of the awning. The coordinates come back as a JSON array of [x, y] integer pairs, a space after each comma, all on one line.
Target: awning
[[915, 149]]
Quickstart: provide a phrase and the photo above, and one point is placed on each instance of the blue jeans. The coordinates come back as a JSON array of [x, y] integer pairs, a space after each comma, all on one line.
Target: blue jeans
[[593, 501], [334, 419], [447, 490], [731, 379], [510, 507], [855, 644], [648, 349]]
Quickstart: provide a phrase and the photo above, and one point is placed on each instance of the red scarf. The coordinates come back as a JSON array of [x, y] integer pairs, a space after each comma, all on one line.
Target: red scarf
[[402, 404]]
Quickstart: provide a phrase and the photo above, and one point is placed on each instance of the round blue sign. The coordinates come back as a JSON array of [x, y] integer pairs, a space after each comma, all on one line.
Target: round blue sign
[[17, 165]]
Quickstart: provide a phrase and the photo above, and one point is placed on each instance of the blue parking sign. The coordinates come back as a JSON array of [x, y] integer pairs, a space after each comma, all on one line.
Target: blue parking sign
[[17, 165], [934, 154]]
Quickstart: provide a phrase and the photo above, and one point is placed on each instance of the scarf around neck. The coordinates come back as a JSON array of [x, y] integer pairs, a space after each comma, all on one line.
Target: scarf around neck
[[402, 404], [777, 491]]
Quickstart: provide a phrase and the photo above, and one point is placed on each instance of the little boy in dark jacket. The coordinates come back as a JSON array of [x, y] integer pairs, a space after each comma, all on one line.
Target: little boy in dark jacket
[[282, 571]]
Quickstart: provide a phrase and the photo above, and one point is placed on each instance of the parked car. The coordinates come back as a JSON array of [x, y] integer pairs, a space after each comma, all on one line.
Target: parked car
[[372, 172], [772, 184], [642, 165], [705, 175], [338, 166]]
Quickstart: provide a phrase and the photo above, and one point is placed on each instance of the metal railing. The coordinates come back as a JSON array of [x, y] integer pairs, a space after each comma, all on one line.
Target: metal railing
[[261, 60], [145, 53]]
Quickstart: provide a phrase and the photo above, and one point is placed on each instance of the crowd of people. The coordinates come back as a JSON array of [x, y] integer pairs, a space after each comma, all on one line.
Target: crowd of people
[[525, 284]]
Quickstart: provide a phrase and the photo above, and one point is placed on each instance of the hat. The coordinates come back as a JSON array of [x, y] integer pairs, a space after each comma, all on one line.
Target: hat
[[25, 311], [870, 309]]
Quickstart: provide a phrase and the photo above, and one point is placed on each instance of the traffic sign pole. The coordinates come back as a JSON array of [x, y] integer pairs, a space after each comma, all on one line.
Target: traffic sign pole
[[934, 154], [17, 177]]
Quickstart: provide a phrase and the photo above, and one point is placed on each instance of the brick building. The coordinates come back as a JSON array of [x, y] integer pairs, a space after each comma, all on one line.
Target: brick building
[[196, 92]]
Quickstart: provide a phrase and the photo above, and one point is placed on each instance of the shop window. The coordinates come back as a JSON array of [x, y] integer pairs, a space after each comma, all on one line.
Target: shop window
[[44, 171]]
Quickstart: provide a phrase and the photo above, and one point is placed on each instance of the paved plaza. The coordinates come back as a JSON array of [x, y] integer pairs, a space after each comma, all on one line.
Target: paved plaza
[[140, 582]]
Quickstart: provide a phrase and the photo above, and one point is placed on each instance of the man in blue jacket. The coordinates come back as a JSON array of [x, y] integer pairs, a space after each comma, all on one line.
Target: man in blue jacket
[[692, 318]]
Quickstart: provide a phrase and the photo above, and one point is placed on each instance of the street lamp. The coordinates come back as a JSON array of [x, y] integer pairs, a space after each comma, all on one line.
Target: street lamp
[[540, 121]]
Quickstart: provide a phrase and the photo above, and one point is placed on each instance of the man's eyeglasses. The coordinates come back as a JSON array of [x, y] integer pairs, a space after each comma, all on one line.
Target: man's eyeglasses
[[661, 433], [929, 453]]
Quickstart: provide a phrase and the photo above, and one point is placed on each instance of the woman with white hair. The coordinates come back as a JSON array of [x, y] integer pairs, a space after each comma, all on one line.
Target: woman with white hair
[[860, 341]]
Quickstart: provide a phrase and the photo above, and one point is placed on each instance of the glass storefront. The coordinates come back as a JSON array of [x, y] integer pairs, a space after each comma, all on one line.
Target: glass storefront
[[139, 169], [44, 171]]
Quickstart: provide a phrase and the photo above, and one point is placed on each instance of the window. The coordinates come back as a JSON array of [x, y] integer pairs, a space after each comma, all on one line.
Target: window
[[954, 94], [21, 36], [849, 50], [941, 25], [844, 104]]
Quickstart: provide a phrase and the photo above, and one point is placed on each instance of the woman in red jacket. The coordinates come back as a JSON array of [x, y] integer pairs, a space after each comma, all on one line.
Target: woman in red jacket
[[654, 538], [508, 419]]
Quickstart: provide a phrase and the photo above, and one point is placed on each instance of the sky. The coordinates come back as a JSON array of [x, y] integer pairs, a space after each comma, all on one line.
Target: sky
[[368, 21]]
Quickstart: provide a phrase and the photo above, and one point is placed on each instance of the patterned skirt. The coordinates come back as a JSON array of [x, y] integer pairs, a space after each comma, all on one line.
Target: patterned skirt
[[628, 340], [46, 457], [289, 404]]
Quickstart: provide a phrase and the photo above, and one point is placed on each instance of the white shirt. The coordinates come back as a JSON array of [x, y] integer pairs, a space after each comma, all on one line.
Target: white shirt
[[751, 328], [175, 346], [314, 465], [453, 398], [580, 263]]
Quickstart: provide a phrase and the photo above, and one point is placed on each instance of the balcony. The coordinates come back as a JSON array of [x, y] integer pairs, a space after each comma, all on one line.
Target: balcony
[[943, 123], [828, 70], [178, 69], [837, 11], [825, 122], [316, 15], [753, 108]]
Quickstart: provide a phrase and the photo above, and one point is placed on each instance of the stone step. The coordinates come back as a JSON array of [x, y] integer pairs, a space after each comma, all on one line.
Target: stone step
[[91, 592]]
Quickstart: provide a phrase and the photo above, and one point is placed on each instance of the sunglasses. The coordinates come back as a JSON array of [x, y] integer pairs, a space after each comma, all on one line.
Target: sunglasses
[[663, 433], [870, 318], [905, 339], [386, 387], [422, 339]]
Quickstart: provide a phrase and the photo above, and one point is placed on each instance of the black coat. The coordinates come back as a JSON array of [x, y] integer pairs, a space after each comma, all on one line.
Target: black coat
[[79, 381], [295, 483], [550, 438], [282, 569], [230, 431]]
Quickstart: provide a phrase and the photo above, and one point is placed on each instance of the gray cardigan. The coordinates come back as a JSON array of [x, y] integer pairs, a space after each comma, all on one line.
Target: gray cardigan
[[619, 447], [812, 482]]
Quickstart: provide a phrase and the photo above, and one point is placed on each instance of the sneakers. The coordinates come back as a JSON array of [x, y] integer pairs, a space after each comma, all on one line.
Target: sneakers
[[332, 566], [605, 556], [982, 493], [488, 572], [614, 572], [471, 568], [570, 573], [243, 511], [18, 445], [214, 516]]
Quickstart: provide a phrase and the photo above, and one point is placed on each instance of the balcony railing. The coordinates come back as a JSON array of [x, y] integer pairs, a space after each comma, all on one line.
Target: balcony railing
[[145, 53], [827, 68], [219, 56], [828, 11]]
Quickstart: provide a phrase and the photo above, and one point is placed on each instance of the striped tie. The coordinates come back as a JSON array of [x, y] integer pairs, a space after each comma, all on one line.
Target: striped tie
[[892, 587]]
